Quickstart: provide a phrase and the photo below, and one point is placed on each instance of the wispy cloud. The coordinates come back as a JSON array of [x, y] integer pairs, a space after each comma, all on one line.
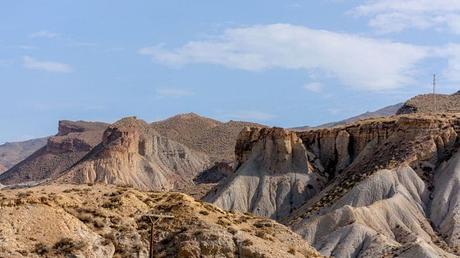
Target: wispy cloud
[[66, 39], [396, 15], [45, 34], [251, 115], [315, 87], [170, 92], [350, 58], [48, 66]]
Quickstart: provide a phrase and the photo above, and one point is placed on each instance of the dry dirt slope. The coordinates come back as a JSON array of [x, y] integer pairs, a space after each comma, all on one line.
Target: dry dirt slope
[[215, 138], [103, 221], [12, 153], [426, 104]]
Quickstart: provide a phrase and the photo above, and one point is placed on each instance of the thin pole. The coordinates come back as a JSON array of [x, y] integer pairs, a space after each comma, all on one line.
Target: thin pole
[[153, 222], [435, 108]]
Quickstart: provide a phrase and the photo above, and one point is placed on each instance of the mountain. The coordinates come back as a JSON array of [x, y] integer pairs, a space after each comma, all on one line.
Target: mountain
[[383, 187], [106, 221], [133, 153], [215, 138], [383, 112], [72, 142], [429, 103], [14, 152]]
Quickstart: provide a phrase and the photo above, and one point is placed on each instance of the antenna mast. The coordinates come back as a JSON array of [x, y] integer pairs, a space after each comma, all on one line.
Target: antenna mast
[[435, 108]]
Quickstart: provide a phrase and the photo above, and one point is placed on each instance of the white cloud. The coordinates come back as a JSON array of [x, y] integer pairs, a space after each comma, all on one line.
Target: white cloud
[[49, 66], [397, 15], [251, 115], [44, 34], [359, 62], [168, 92], [315, 87]]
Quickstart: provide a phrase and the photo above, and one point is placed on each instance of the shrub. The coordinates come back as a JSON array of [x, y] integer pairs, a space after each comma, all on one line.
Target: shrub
[[67, 245], [41, 249]]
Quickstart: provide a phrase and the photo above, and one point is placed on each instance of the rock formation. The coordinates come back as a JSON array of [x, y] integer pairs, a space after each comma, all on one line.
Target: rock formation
[[273, 175], [396, 194], [107, 221], [379, 187], [73, 141], [132, 153]]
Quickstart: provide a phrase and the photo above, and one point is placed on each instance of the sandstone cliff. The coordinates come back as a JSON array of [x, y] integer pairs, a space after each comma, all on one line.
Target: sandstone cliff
[[383, 183], [73, 141], [133, 153], [379, 187], [273, 174]]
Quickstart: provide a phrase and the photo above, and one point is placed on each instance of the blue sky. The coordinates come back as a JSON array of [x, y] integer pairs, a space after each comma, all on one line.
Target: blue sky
[[285, 63]]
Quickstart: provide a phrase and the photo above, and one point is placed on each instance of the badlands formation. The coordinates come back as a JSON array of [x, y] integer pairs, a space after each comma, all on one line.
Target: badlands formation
[[378, 187]]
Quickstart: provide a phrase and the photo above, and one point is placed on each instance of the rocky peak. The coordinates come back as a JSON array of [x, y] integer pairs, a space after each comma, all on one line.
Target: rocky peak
[[273, 174], [125, 134], [278, 145], [79, 136], [65, 127]]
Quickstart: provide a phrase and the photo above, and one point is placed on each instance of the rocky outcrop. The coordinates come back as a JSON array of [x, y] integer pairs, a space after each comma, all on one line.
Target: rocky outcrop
[[132, 153], [273, 175], [72, 142], [397, 195], [377, 185]]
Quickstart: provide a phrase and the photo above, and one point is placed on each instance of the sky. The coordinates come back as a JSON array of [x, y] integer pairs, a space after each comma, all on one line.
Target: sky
[[281, 63]]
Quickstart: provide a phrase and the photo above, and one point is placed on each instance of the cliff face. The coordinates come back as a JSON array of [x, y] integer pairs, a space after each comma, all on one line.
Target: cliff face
[[383, 199], [77, 136], [72, 142], [273, 175], [132, 153], [378, 185]]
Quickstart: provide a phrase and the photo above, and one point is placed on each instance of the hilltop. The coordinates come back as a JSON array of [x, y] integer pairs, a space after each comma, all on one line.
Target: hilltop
[[216, 139], [107, 221], [12, 153]]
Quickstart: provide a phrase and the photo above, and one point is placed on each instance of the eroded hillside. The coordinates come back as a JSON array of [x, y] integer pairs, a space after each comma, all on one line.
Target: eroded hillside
[[72, 142], [104, 221], [382, 192]]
